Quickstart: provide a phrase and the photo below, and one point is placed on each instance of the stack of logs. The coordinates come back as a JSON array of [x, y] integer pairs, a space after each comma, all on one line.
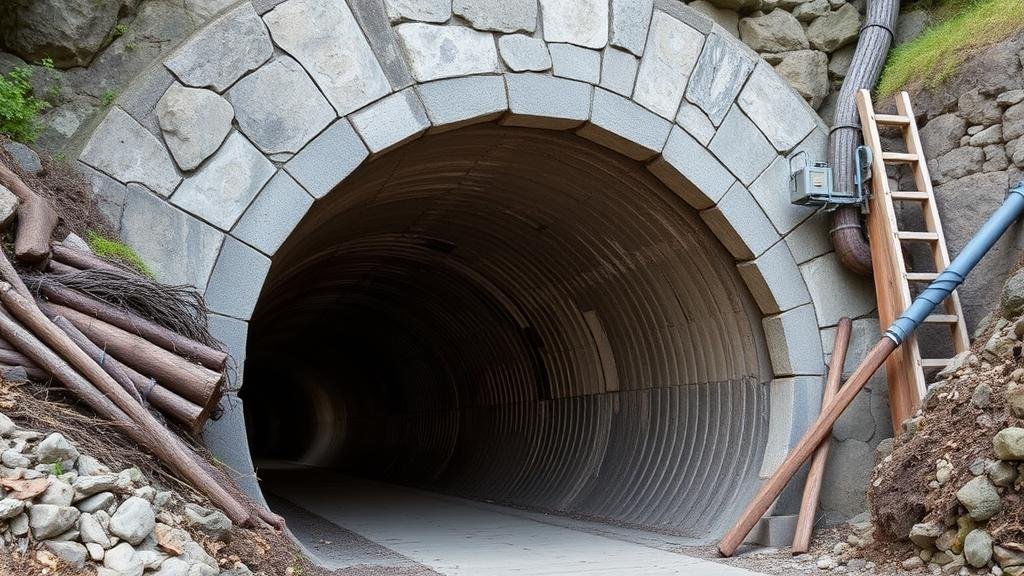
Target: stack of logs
[[112, 360]]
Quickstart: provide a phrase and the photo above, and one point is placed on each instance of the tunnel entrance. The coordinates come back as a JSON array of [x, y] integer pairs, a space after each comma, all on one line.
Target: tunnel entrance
[[519, 316]]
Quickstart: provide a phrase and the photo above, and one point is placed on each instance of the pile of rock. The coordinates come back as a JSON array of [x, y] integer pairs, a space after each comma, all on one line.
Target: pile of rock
[[66, 507]]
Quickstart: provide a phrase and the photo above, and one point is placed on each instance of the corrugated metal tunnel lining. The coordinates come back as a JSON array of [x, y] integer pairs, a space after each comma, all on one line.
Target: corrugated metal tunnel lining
[[515, 315]]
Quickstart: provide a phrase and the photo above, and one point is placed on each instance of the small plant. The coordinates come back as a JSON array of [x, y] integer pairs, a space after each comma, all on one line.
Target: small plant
[[107, 97], [19, 110], [119, 30], [129, 46], [57, 468], [47, 63], [113, 250]]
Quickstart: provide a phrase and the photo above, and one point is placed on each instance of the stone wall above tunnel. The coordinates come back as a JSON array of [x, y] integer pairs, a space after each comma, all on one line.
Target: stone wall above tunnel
[[283, 100]]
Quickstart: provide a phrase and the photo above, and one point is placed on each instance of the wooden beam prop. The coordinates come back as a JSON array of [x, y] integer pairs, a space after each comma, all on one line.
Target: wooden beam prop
[[85, 260], [36, 219]]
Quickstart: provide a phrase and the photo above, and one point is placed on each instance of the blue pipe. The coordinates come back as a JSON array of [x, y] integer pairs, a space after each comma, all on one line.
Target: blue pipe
[[960, 267]]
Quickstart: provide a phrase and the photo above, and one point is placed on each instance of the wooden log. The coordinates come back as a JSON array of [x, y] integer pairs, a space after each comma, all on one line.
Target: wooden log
[[819, 430], [60, 268], [812, 487], [147, 431], [85, 260], [159, 335], [193, 382], [31, 370], [109, 364], [36, 219]]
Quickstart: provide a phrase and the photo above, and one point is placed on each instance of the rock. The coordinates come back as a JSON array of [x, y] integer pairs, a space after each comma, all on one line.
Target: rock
[[943, 470], [942, 134], [195, 554], [278, 107], [1008, 444], [727, 19], [89, 466], [947, 541], [990, 135], [96, 502], [498, 15], [835, 30], [55, 448], [92, 531], [14, 459], [437, 11], [173, 567], [212, 522], [978, 548], [133, 520], [911, 24], [826, 563], [11, 507], [47, 520], [1015, 398], [193, 122], [95, 552], [1010, 98], [981, 397], [808, 11], [925, 534], [1012, 301], [1013, 122], [522, 53], [171, 540], [958, 163], [912, 563], [807, 72], [71, 552], [89, 485], [977, 108], [777, 31], [151, 559], [6, 424], [122, 559], [1002, 473], [580, 22], [123, 149], [1006, 557], [240, 29], [147, 493], [839, 62], [980, 498], [468, 51], [24, 157], [68, 31], [57, 493]]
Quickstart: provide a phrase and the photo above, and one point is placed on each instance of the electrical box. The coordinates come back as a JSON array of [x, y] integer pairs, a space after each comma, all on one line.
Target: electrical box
[[811, 183]]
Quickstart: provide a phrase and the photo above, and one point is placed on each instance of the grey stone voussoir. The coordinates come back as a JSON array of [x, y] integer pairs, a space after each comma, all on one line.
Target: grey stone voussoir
[[836, 291], [221, 190], [232, 333], [436, 11], [522, 53], [328, 159], [775, 281], [779, 112], [108, 194], [630, 20], [223, 51], [576, 63], [391, 121], [466, 51], [279, 108], [618, 71], [672, 51], [690, 171], [194, 123], [372, 18], [580, 22], [237, 280], [793, 342], [771, 190], [334, 52], [120, 147], [498, 15], [740, 225], [741, 147], [720, 72], [540, 101], [695, 122], [625, 126], [273, 214], [456, 102]]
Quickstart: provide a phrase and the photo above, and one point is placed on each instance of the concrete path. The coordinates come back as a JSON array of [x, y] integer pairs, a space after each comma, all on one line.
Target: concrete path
[[462, 538]]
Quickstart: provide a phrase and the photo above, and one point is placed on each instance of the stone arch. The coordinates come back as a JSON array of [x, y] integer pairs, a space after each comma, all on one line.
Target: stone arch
[[252, 123]]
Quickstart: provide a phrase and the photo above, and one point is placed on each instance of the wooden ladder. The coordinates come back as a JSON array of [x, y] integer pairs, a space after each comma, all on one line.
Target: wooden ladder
[[905, 369]]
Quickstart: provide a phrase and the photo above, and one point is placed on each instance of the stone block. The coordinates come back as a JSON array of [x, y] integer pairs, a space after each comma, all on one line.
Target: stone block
[[741, 147], [690, 171], [810, 239], [194, 123], [222, 51], [630, 20], [392, 121], [774, 280], [847, 472], [618, 71], [279, 108], [740, 225], [670, 56], [435, 11], [539, 101], [864, 334], [498, 15], [150, 225], [466, 51], [457, 102], [140, 98], [771, 190], [793, 343], [232, 333], [728, 19], [625, 126], [720, 72], [795, 403], [328, 159], [237, 280], [837, 292], [273, 215], [522, 53], [120, 147], [226, 439], [575, 63], [695, 122], [685, 14], [107, 193], [334, 52], [779, 112], [372, 18], [221, 190], [580, 22]]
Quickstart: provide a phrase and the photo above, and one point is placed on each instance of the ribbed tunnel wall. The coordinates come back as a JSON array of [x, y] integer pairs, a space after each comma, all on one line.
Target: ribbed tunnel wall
[[520, 316]]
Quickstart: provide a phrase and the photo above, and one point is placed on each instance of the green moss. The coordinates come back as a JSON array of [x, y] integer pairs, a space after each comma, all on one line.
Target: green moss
[[19, 110], [113, 250], [963, 28]]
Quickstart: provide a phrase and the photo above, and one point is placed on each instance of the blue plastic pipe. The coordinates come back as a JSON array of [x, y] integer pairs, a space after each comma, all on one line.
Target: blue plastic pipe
[[960, 267]]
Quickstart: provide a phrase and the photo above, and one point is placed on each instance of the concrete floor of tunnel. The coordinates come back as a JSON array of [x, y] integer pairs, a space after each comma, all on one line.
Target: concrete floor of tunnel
[[380, 528]]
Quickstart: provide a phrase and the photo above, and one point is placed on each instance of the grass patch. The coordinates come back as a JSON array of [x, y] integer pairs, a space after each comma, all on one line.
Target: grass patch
[[934, 56], [113, 250]]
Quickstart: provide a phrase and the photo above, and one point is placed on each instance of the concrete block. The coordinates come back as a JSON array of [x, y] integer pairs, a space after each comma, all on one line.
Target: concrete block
[[580, 22], [618, 71], [630, 21], [328, 159], [575, 63], [466, 51], [203, 60], [540, 101], [625, 126], [140, 99], [456, 102], [740, 224], [810, 239], [522, 53], [671, 53], [372, 17], [771, 190], [690, 171], [237, 280], [837, 292], [793, 343], [391, 121], [777, 110], [795, 403], [121, 148], [269, 220], [226, 439], [720, 72], [741, 147], [232, 333], [774, 280], [695, 122]]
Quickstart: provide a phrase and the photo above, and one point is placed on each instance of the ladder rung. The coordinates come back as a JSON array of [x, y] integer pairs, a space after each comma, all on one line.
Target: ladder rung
[[917, 236], [942, 319], [935, 362], [902, 157], [910, 195], [891, 120], [922, 276]]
